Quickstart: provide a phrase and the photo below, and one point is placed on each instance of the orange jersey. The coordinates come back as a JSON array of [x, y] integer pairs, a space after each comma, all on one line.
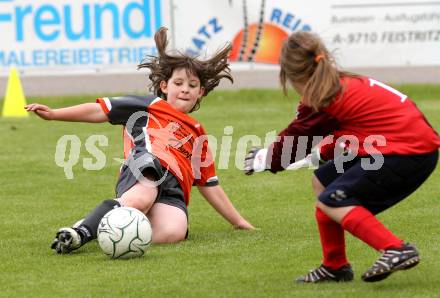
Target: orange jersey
[[177, 140]]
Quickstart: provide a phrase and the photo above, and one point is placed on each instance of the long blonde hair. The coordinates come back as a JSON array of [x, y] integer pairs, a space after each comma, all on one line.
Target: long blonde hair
[[305, 60]]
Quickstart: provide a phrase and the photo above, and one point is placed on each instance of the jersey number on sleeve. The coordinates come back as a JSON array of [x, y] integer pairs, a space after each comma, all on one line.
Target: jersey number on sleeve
[[402, 96]]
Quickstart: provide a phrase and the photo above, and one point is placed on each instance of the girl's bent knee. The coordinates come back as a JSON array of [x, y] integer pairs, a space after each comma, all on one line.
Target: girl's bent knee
[[168, 236], [137, 202]]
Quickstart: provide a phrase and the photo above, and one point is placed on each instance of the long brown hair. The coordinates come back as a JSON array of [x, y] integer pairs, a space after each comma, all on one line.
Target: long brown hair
[[161, 67], [305, 60]]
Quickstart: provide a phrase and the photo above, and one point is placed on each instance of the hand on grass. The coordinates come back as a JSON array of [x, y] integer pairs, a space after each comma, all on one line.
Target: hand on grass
[[244, 225]]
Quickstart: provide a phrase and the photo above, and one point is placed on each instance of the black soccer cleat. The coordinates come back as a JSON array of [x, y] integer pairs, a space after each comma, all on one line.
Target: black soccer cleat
[[66, 240], [325, 274], [392, 260]]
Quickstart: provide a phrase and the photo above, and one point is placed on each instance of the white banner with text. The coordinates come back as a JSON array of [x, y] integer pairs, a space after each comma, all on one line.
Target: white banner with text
[[113, 36]]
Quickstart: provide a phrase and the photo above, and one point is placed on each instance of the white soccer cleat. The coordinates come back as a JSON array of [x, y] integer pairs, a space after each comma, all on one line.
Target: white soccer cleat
[[66, 240]]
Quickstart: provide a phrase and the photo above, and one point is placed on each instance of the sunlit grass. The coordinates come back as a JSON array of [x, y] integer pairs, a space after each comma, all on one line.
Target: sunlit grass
[[37, 198]]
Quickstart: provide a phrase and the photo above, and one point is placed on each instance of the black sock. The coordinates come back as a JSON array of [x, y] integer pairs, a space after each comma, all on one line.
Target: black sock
[[88, 229]]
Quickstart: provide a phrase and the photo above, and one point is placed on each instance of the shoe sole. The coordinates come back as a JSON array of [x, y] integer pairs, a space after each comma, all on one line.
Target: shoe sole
[[65, 243], [324, 281], [408, 264], [301, 280]]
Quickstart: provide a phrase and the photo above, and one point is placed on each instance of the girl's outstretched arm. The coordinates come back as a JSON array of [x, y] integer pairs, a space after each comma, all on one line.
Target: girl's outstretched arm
[[218, 199], [88, 112]]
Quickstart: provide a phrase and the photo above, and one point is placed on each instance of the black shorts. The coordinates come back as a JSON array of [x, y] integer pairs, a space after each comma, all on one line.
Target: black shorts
[[376, 190], [139, 161]]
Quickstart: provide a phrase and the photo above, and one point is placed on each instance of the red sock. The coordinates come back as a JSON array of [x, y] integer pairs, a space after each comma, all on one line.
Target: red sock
[[362, 224], [332, 241]]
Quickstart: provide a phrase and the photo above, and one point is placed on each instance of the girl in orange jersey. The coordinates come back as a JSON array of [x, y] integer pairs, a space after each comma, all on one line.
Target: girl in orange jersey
[[166, 151]]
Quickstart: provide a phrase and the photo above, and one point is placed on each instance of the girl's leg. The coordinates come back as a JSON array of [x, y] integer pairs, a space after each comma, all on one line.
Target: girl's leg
[[362, 224], [351, 198], [332, 241], [331, 235], [140, 196], [169, 223], [335, 266], [356, 195]]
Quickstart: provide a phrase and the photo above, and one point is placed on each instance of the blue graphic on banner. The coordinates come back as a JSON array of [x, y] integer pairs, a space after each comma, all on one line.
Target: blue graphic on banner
[[107, 26], [82, 56]]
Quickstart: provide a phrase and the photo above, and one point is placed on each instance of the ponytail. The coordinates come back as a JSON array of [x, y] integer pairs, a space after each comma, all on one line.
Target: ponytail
[[323, 85], [306, 61]]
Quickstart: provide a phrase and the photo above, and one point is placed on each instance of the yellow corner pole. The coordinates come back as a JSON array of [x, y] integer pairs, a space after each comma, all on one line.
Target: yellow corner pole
[[14, 98]]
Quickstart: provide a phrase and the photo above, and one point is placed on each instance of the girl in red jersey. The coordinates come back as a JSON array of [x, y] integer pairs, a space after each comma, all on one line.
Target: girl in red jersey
[[386, 158], [165, 150]]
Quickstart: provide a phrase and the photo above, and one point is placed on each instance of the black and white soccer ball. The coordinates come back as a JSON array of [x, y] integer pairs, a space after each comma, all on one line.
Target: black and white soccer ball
[[124, 233]]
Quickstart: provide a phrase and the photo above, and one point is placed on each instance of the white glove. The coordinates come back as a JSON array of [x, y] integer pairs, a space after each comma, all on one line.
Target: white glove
[[255, 161]]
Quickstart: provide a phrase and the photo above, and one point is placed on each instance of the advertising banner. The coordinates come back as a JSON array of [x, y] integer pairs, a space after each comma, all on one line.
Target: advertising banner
[[77, 36], [41, 37], [360, 33]]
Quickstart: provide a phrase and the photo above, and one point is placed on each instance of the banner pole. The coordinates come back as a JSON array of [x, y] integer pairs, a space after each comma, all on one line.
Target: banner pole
[[172, 25]]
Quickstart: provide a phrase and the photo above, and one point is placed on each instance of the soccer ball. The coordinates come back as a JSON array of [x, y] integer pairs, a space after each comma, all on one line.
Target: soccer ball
[[124, 233]]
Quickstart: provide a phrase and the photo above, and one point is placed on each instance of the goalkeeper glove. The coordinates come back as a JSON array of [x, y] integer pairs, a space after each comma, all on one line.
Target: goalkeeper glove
[[255, 161]]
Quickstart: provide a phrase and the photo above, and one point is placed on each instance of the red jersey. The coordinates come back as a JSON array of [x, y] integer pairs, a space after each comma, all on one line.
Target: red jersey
[[176, 139], [371, 115]]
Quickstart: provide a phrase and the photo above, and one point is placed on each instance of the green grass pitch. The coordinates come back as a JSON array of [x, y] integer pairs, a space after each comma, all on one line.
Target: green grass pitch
[[216, 261]]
